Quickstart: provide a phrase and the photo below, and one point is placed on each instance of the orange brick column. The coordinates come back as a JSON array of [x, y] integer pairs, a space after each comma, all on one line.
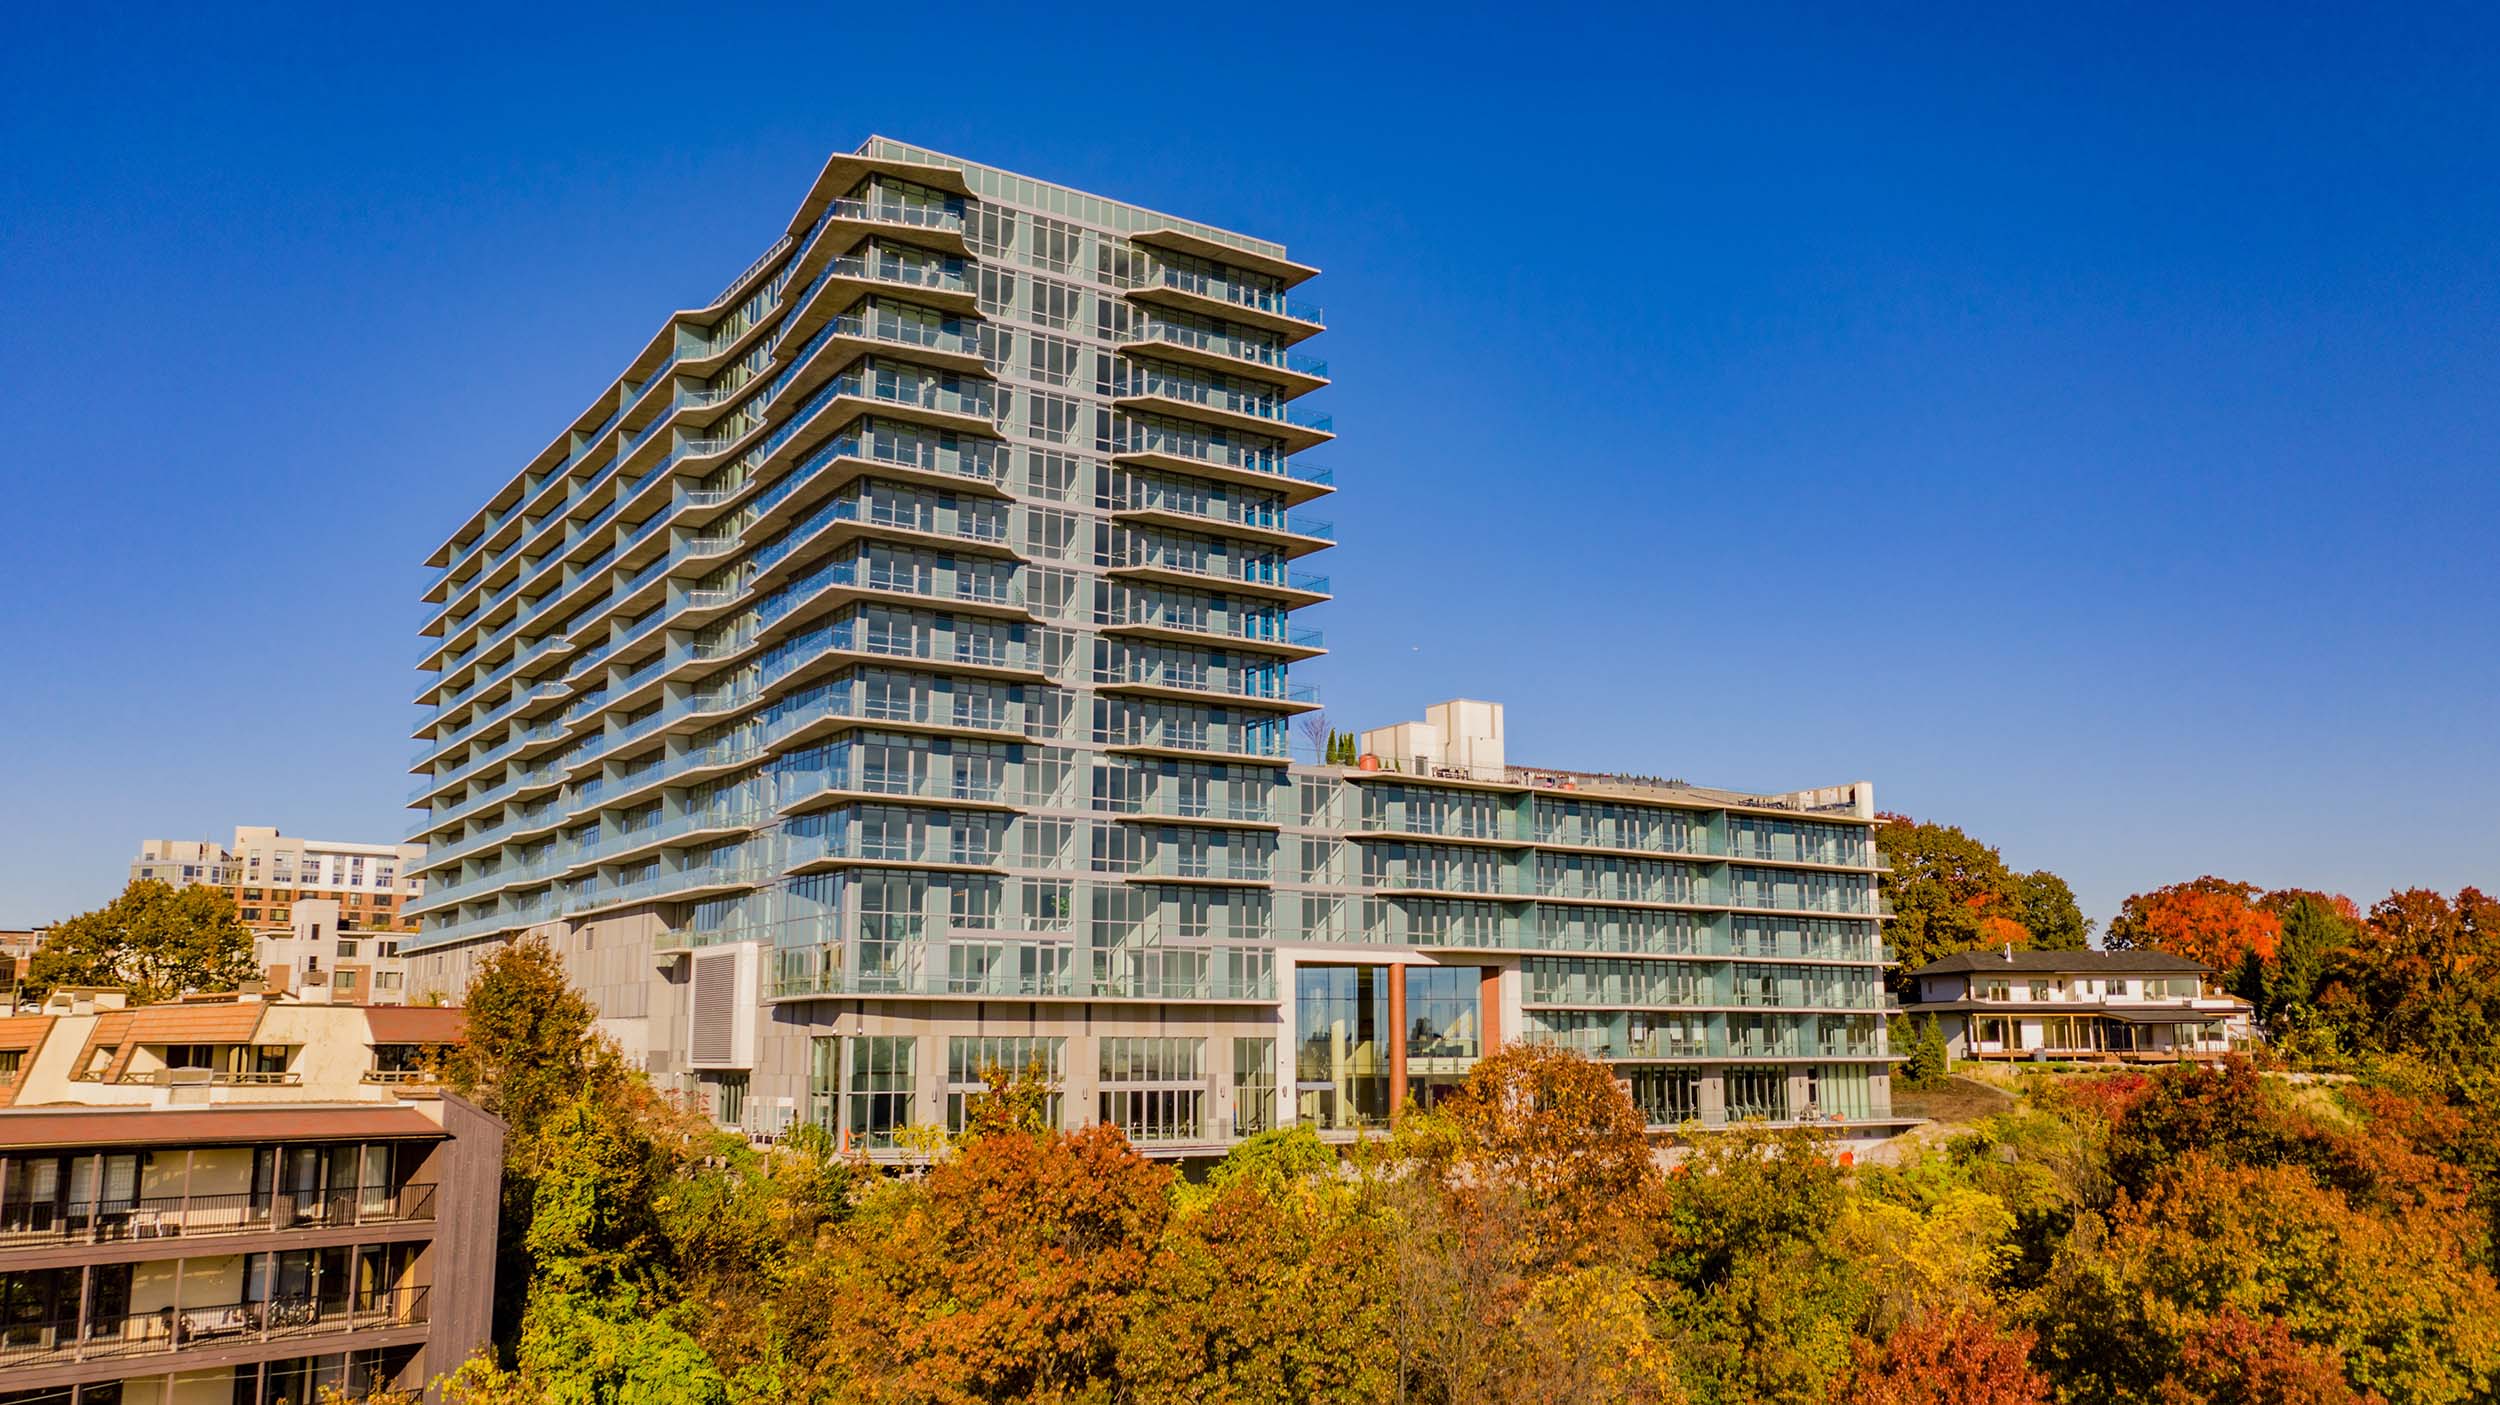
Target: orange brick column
[[1396, 976]]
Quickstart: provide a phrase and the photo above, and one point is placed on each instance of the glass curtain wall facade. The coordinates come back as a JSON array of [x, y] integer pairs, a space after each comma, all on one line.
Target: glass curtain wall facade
[[919, 609], [922, 610]]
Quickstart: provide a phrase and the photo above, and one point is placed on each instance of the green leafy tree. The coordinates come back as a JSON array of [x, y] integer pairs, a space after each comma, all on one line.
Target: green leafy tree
[[155, 941], [1010, 1100], [2046, 907], [2423, 980], [2316, 927], [1276, 1288], [1948, 891], [1928, 1055], [529, 1046]]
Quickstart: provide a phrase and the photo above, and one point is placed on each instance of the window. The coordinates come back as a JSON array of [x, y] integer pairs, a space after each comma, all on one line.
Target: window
[[1051, 303], [1049, 904], [1666, 1096], [1049, 475], [729, 1099], [1840, 1090], [1051, 360], [1153, 1087], [1341, 1063], [881, 1088], [346, 949], [1254, 1086], [1757, 1094], [970, 1058], [824, 1082]]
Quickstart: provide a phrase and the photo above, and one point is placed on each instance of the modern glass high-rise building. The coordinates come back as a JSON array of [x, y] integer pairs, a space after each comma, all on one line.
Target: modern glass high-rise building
[[888, 678]]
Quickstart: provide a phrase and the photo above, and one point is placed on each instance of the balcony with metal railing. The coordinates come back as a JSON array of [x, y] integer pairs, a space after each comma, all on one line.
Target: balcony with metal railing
[[186, 1326], [944, 223], [26, 1224], [1195, 806], [1213, 864]]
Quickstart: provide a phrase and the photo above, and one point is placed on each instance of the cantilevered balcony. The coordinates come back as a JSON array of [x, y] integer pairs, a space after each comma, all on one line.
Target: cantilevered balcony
[[1214, 741], [1190, 682], [1190, 567], [29, 1225], [1147, 390], [859, 969], [1232, 300], [329, 1323], [1293, 373], [1171, 448], [938, 284], [1144, 501], [1230, 251], [876, 216], [1186, 625]]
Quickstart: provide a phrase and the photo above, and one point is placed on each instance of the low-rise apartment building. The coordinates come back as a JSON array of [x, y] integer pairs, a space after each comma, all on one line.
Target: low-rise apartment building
[[267, 873], [235, 1201], [2069, 1005], [325, 956]]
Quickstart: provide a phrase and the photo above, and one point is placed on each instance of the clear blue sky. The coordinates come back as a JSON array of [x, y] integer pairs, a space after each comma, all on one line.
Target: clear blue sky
[[2080, 423]]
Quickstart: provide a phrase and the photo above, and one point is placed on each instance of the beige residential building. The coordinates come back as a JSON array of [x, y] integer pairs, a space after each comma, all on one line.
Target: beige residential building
[[267, 873], [235, 1200]]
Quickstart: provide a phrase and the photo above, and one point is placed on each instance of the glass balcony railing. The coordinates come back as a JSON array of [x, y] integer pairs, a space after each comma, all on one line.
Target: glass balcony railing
[[920, 966], [1249, 406], [1234, 348], [1247, 295], [1210, 738], [901, 213], [1203, 678], [933, 275]]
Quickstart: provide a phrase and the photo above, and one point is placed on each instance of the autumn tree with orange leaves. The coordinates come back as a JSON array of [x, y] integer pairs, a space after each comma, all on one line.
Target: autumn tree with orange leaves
[[1011, 1271], [1949, 1358], [1550, 1141], [2209, 920]]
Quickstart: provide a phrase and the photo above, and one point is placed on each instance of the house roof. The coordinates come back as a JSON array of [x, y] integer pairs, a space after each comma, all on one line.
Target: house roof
[[414, 1024], [24, 1035], [2064, 963], [2080, 1009], [31, 1127]]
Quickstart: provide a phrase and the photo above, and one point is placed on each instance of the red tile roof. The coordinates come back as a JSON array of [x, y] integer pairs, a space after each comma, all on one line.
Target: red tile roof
[[24, 1033], [414, 1024]]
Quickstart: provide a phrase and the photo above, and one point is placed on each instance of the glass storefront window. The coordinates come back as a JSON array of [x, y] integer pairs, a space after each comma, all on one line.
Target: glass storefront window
[[1444, 1029], [1341, 1059]]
